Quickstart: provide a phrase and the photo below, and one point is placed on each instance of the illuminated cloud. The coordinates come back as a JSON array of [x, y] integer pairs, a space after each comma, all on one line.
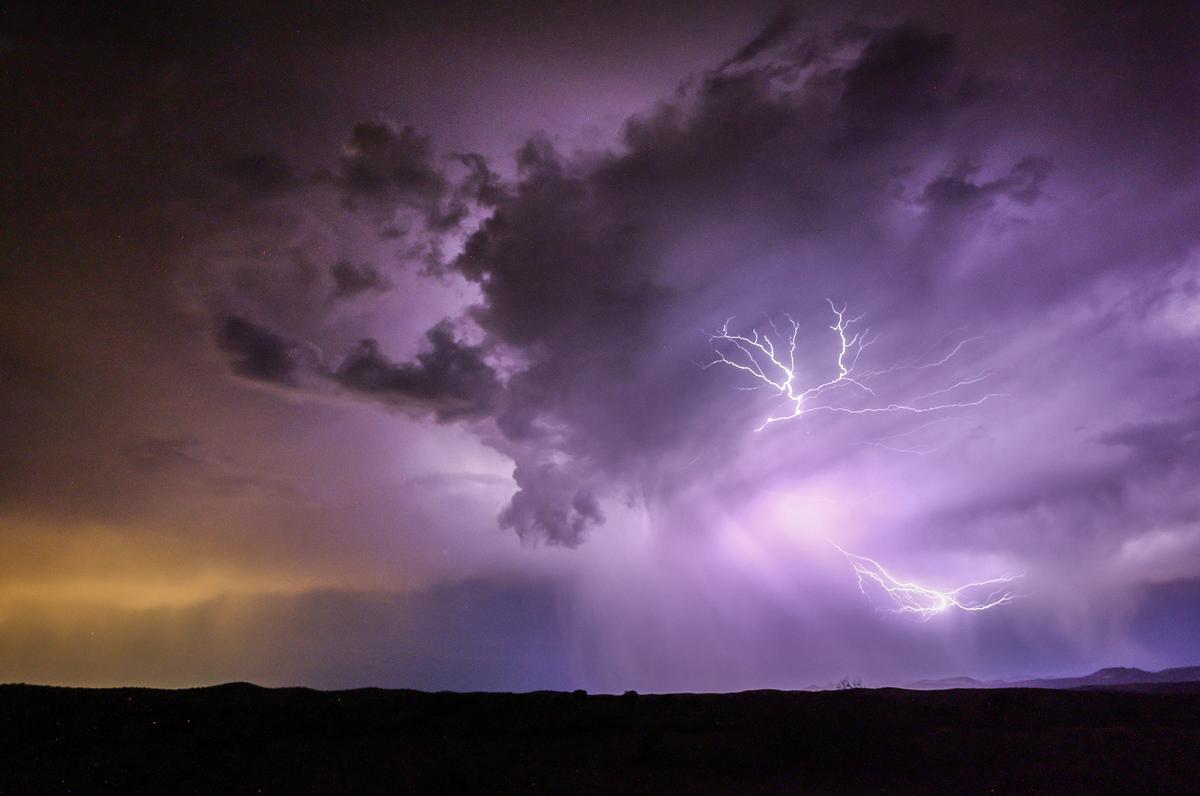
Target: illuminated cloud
[[375, 303]]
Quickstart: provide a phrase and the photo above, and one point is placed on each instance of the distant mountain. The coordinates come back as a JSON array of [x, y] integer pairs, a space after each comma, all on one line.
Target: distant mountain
[[1112, 677], [1115, 676]]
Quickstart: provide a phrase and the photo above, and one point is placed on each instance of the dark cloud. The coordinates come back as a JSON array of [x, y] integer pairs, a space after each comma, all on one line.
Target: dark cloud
[[550, 507], [387, 169], [902, 75], [956, 192], [811, 142], [450, 379], [257, 353], [573, 269], [571, 261], [391, 165], [481, 183], [351, 279], [777, 29], [562, 269]]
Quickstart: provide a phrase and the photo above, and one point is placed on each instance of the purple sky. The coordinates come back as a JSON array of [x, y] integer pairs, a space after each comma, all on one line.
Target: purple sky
[[352, 345]]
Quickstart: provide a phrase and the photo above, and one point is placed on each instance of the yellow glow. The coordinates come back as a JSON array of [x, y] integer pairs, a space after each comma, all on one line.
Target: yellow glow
[[133, 569]]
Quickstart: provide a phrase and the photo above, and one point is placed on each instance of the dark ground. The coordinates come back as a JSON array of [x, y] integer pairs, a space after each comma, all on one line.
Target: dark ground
[[244, 739]]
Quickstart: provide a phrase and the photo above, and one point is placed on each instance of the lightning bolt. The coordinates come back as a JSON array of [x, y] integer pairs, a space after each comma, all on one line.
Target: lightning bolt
[[771, 361], [926, 602]]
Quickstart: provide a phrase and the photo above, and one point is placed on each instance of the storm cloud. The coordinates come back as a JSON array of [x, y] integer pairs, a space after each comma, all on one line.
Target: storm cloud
[[351, 279], [318, 310], [579, 266], [450, 378], [257, 353]]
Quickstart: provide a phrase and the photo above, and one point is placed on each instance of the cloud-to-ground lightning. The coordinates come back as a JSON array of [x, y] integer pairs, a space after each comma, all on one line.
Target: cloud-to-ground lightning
[[926, 601], [771, 360]]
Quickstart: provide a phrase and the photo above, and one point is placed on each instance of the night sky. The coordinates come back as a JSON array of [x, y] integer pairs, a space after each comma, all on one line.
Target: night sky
[[359, 343]]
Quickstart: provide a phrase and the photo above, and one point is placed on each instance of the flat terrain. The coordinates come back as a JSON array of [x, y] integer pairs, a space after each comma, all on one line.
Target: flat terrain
[[243, 739]]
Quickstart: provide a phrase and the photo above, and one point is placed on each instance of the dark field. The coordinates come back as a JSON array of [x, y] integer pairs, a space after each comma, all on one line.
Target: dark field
[[243, 739]]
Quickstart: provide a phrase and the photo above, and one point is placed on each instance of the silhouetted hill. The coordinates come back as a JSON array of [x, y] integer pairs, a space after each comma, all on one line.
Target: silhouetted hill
[[240, 738], [1112, 677], [1115, 676]]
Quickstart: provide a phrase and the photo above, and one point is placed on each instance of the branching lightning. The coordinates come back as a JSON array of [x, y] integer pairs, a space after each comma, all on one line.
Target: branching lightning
[[771, 360], [926, 602]]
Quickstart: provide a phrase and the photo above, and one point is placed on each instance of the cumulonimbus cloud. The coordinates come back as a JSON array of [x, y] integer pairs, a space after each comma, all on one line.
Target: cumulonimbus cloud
[[868, 154]]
